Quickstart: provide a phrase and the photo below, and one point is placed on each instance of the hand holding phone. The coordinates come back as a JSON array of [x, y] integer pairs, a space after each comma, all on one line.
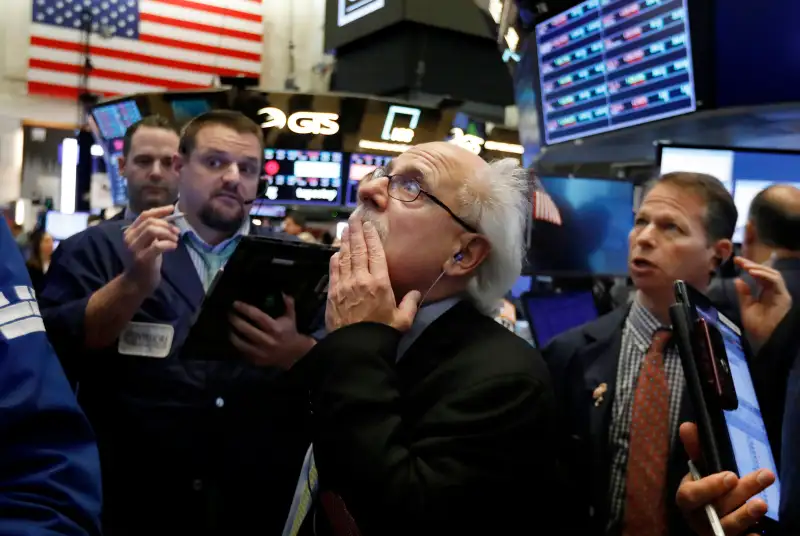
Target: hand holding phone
[[763, 311], [730, 441], [725, 494]]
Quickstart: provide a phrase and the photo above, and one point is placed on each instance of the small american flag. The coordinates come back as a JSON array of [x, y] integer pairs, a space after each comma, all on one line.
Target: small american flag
[[544, 209], [143, 45]]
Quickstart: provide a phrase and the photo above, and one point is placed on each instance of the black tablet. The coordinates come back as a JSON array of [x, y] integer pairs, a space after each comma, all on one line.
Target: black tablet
[[258, 273], [714, 356]]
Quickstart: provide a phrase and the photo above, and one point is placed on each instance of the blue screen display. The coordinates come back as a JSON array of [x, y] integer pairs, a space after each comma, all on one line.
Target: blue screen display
[[745, 424], [744, 173], [597, 216], [609, 64], [551, 315]]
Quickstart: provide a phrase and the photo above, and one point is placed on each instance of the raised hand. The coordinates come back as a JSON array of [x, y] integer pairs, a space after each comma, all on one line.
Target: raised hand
[[761, 313], [147, 239], [359, 289]]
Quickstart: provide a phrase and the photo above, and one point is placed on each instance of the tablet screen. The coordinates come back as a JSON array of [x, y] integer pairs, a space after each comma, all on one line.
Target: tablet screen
[[745, 425]]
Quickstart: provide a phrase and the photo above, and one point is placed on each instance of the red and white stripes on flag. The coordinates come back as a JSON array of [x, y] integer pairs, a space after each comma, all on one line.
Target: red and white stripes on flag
[[162, 45], [544, 209]]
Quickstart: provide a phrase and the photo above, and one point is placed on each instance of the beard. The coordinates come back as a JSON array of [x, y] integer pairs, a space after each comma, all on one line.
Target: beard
[[219, 220], [368, 215]]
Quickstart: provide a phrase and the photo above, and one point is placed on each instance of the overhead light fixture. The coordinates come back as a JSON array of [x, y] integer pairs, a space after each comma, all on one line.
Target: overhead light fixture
[[383, 146], [501, 147], [19, 212]]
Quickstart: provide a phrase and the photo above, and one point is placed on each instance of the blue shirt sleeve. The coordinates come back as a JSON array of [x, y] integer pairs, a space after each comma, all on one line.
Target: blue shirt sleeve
[[49, 464]]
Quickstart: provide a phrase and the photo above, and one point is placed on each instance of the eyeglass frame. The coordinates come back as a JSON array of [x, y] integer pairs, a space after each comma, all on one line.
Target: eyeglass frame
[[436, 200]]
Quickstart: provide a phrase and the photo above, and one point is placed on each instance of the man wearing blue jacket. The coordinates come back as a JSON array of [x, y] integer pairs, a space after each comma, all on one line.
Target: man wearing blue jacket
[[49, 466]]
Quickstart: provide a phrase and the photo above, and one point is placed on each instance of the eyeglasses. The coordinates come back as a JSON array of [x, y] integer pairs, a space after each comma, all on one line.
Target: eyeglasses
[[407, 190]]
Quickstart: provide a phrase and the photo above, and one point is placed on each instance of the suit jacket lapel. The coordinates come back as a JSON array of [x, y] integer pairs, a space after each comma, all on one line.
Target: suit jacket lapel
[[600, 357], [178, 270]]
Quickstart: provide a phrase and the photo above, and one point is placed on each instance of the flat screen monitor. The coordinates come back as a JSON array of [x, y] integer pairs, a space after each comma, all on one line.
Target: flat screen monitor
[[296, 177], [184, 110], [550, 315], [114, 119], [611, 64], [521, 286], [264, 210], [592, 240], [119, 186], [61, 226], [744, 172], [361, 165]]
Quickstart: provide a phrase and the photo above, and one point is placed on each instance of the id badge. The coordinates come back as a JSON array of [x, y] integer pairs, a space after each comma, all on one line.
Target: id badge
[[146, 340]]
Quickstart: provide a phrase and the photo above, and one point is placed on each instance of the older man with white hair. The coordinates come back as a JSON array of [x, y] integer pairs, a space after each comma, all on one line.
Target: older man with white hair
[[428, 416]]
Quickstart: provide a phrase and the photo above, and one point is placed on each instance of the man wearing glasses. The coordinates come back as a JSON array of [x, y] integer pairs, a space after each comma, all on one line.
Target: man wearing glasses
[[429, 417]]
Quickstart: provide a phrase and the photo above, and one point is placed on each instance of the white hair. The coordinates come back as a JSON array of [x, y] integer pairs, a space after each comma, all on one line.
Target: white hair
[[497, 202]]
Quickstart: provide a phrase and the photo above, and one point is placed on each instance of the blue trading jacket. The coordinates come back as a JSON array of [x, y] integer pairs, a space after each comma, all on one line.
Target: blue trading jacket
[[49, 465]]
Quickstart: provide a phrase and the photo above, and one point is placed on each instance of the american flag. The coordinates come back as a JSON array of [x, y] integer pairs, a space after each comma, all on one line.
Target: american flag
[[544, 208], [143, 45]]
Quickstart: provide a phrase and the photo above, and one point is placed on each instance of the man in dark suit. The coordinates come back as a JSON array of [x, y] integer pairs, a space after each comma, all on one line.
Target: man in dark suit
[[186, 446], [428, 416], [146, 163], [620, 483], [771, 236]]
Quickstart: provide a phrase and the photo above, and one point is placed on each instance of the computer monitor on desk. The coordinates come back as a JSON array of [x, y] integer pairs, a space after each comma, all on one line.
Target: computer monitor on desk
[[550, 315]]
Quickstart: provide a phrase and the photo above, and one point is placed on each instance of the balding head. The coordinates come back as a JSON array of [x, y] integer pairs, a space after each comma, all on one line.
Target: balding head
[[774, 219], [443, 211]]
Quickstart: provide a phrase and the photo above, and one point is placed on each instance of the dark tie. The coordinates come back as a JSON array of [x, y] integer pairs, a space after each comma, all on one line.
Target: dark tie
[[648, 455]]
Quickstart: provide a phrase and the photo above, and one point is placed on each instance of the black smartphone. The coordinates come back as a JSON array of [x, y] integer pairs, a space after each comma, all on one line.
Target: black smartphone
[[714, 356]]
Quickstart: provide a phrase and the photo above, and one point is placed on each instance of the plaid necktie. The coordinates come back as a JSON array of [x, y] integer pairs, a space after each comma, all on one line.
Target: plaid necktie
[[648, 455]]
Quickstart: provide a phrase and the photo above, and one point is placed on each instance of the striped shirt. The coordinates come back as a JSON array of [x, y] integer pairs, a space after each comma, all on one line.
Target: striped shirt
[[637, 335], [207, 259]]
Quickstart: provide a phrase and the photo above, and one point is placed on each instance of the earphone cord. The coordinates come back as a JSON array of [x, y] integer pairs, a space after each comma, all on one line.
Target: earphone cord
[[431, 287]]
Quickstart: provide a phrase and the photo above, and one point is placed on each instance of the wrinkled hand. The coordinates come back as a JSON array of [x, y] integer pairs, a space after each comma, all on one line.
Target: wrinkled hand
[[728, 494], [359, 289], [267, 341], [147, 239], [761, 314]]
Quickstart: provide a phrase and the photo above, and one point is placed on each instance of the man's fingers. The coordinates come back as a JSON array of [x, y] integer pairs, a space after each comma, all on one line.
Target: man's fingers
[[344, 254], [333, 273], [155, 249], [358, 247], [263, 322], [377, 257], [744, 517], [694, 495], [744, 292], [290, 313], [143, 237], [408, 308], [691, 440], [749, 486], [153, 213]]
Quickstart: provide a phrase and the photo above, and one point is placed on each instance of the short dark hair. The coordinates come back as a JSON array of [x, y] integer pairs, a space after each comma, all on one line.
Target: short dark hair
[[299, 219], [721, 213], [777, 225], [151, 121], [235, 121]]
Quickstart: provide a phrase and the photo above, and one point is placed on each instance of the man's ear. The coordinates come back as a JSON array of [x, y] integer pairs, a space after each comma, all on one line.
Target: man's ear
[[178, 162], [474, 251], [722, 251], [750, 236], [121, 162]]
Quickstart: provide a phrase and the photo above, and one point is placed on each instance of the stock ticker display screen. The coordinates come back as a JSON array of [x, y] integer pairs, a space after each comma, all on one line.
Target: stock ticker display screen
[[360, 166], [113, 120], [610, 64], [298, 177]]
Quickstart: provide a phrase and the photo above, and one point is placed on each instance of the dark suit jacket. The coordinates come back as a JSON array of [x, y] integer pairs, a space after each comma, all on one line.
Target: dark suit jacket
[[579, 361], [587, 356], [455, 438]]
